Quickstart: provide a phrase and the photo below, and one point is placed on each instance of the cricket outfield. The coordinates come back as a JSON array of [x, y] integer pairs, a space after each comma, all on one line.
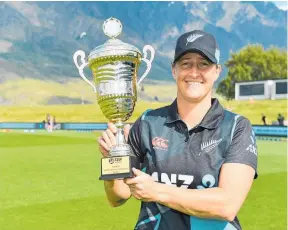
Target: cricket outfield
[[49, 181]]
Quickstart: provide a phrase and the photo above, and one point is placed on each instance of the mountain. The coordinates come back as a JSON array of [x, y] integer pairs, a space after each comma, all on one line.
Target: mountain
[[38, 39]]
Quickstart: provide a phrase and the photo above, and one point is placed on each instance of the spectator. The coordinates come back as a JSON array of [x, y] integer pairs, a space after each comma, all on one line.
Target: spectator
[[54, 120], [280, 119], [43, 124], [49, 121], [51, 124], [264, 119], [156, 98]]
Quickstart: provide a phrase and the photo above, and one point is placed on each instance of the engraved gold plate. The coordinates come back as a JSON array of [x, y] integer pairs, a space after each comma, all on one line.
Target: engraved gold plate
[[115, 165]]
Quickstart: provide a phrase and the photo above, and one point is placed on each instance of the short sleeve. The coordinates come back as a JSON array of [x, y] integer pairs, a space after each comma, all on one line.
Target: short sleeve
[[134, 140], [243, 148]]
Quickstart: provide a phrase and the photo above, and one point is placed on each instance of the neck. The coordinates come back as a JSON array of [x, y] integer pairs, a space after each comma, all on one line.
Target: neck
[[192, 113]]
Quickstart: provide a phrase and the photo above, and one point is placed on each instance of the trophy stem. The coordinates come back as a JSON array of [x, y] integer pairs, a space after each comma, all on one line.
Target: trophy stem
[[120, 138], [121, 148]]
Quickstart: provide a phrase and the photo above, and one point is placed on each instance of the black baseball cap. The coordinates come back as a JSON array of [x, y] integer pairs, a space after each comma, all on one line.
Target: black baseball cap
[[200, 42]]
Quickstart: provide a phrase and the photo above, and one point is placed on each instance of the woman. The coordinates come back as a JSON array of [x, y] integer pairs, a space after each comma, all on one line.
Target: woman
[[48, 122], [198, 160]]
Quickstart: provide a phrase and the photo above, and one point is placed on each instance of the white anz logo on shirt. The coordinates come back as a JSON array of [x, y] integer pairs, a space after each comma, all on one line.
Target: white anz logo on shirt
[[209, 145], [252, 148], [173, 179], [183, 181]]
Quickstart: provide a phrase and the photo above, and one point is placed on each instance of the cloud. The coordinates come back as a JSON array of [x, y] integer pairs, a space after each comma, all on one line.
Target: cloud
[[195, 25], [170, 3], [230, 9], [281, 5], [169, 54], [5, 46], [173, 32], [29, 11], [186, 3]]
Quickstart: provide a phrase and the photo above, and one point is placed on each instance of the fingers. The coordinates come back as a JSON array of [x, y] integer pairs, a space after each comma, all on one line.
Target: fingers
[[136, 190], [132, 181], [112, 127], [103, 147], [109, 138], [127, 181], [137, 172], [126, 131]]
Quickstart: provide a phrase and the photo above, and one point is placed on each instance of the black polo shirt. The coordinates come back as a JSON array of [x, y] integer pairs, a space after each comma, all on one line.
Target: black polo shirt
[[192, 159]]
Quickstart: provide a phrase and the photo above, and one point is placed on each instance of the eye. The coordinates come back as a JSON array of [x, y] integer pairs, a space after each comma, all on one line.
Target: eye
[[185, 65], [203, 64]]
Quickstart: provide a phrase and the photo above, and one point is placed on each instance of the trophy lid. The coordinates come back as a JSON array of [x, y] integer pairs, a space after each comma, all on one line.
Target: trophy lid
[[112, 27]]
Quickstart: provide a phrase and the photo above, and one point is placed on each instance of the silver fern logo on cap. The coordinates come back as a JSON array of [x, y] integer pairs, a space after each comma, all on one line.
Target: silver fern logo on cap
[[193, 37]]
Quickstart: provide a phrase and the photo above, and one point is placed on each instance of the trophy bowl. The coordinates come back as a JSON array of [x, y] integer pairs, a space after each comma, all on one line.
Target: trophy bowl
[[114, 66]]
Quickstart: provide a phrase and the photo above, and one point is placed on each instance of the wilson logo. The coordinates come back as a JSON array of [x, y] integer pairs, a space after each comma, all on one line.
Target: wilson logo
[[160, 143]]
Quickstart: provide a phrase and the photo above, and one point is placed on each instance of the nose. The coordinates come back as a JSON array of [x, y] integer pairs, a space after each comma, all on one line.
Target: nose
[[193, 72]]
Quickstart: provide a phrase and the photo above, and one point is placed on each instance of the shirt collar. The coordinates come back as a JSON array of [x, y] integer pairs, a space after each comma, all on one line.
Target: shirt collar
[[211, 119], [173, 113]]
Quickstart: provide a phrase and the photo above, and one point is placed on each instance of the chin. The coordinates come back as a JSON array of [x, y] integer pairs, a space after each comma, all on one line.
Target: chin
[[195, 95], [194, 98]]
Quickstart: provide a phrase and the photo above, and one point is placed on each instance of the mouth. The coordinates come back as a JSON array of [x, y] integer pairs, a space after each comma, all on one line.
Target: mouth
[[194, 83]]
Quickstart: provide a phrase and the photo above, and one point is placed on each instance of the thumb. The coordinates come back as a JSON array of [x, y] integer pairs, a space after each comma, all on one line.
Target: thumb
[[126, 131], [137, 172]]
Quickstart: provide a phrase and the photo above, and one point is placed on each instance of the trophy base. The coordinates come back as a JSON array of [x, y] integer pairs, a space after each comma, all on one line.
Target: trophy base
[[118, 167]]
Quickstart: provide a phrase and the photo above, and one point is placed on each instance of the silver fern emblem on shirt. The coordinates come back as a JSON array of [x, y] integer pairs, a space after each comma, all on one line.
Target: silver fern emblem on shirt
[[193, 37], [209, 145]]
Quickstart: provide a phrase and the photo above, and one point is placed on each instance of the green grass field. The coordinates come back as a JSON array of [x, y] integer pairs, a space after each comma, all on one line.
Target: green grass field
[[49, 181], [92, 112], [28, 98]]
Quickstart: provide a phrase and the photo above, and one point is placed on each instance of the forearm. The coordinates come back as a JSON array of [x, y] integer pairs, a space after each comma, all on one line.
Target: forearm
[[206, 203], [117, 192]]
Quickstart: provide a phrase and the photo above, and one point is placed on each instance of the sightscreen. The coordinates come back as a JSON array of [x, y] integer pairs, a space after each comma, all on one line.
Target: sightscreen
[[281, 87], [252, 90]]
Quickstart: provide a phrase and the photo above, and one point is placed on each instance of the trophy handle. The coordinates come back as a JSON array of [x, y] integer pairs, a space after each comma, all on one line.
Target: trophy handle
[[82, 66], [148, 61]]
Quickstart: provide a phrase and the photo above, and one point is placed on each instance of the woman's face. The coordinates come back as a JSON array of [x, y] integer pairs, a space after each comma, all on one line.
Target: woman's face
[[195, 76]]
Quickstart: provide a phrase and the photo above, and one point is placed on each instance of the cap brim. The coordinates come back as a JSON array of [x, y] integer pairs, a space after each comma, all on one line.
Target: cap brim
[[202, 52]]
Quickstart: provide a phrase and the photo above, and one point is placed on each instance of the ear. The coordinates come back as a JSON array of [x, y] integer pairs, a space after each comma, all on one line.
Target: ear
[[173, 70], [218, 70]]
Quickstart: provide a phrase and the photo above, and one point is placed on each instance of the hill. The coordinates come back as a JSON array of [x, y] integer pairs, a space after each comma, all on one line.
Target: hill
[[31, 92], [38, 39]]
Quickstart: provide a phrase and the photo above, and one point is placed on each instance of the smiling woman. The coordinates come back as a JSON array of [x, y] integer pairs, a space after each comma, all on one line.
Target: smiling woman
[[198, 160]]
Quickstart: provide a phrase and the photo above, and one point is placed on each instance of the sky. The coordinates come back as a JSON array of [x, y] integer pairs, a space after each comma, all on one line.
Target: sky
[[281, 4]]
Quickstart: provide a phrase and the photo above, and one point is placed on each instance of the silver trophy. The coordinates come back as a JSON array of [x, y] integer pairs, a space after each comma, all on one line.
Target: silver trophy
[[114, 66]]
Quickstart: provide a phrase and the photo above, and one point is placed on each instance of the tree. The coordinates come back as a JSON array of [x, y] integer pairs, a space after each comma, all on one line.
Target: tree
[[253, 63]]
